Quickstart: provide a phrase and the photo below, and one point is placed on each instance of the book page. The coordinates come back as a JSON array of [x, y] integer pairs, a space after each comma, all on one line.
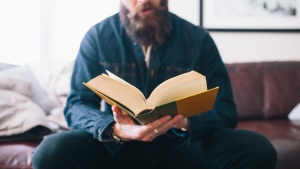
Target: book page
[[177, 87], [123, 93], [115, 77]]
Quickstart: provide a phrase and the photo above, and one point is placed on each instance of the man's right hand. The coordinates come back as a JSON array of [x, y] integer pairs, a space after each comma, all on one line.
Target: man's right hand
[[126, 129]]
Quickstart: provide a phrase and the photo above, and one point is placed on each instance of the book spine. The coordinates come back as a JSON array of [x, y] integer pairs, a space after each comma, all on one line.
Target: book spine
[[158, 112]]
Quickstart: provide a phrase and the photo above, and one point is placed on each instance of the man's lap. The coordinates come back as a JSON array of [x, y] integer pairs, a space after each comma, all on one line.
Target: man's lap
[[80, 149]]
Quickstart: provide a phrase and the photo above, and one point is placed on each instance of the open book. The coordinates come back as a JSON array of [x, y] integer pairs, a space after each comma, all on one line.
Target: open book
[[185, 94]]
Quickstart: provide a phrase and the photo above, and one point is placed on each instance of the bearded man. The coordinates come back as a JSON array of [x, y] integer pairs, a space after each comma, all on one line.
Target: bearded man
[[145, 44]]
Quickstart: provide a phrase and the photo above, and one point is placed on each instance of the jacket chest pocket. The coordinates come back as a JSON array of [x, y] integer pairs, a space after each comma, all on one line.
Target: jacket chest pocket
[[172, 71], [126, 71]]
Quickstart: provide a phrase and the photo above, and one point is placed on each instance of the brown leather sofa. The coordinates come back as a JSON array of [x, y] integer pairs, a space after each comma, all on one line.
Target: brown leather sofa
[[264, 92]]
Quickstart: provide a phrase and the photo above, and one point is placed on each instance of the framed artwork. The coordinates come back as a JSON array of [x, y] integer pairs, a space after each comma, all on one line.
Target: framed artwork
[[250, 15]]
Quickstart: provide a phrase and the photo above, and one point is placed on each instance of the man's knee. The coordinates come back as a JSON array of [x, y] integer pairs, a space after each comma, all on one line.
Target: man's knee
[[260, 150], [55, 149], [241, 148]]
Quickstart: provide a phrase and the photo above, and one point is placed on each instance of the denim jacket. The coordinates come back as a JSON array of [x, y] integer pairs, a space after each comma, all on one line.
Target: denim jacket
[[107, 47]]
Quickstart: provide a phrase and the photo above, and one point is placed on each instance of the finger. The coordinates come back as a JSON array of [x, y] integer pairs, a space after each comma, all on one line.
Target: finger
[[154, 129], [158, 122], [118, 116], [146, 132], [161, 122], [115, 108], [121, 117], [182, 123], [169, 124]]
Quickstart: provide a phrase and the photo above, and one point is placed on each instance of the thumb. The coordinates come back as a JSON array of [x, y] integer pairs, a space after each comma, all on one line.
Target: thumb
[[116, 109], [117, 114]]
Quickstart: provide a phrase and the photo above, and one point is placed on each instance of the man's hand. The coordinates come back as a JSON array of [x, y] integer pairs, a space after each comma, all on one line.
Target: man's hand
[[126, 129], [182, 124]]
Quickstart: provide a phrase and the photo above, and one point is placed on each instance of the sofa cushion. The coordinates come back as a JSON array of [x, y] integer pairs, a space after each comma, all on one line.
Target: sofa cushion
[[246, 81], [283, 134], [16, 155], [281, 84]]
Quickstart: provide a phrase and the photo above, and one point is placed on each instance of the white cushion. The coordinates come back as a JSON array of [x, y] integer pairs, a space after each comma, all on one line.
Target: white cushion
[[21, 80], [295, 113], [19, 113]]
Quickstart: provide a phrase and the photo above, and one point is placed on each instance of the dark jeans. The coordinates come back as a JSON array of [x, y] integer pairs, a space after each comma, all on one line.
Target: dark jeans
[[227, 148]]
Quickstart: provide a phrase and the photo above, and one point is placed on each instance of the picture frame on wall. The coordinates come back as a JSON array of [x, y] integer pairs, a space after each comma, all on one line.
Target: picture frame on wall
[[250, 15]]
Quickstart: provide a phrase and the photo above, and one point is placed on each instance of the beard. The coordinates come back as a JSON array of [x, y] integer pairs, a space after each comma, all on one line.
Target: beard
[[150, 29]]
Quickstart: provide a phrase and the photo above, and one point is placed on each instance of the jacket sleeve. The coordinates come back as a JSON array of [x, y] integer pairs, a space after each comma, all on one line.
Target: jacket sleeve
[[83, 108]]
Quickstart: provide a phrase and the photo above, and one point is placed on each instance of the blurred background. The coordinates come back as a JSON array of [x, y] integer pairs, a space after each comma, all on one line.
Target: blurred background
[[35, 30]]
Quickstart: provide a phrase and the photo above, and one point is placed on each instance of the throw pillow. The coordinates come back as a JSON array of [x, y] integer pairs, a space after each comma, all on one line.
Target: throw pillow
[[295, 113], [19, 114], [17, 76]]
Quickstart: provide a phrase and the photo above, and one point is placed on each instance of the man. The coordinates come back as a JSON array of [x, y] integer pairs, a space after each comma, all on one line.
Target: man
[[145, 45]]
